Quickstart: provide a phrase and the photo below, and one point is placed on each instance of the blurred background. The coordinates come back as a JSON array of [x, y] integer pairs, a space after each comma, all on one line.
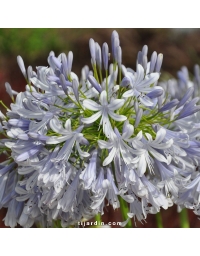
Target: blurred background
[[180, 47]]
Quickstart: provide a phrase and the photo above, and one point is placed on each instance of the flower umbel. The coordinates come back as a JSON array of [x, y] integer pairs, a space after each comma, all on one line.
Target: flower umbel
[[115, 136]]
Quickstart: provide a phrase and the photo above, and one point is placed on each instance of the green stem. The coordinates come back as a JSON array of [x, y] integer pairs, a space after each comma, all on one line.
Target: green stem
[[123, 204], [159, 220], [107, 83], [77, 104], [95, 73], [98, 219], [100, 74], [120, 75], [29, 84], [124, 211], [1, 102], [64, 109], [184, 222], [82, 94]]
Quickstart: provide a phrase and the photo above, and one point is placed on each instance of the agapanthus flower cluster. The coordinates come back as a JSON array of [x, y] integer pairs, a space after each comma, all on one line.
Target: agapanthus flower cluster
[[73, 146]]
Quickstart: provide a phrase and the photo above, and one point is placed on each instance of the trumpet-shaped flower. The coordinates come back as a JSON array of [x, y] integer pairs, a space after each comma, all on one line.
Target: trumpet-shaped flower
[[118, 145], [104, 110], [140, 85], [148, 148]]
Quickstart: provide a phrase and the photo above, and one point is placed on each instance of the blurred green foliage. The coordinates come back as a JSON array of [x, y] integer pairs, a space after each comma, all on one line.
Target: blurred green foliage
[[31, 44]]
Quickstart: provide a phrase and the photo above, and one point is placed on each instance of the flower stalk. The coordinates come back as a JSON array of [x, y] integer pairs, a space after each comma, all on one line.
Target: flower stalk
[[184, 220], [124, 211], [159, 220]]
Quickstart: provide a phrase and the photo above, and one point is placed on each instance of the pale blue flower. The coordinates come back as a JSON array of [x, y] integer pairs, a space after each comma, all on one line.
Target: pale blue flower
[[144, 147], [104, 110], [141, 84], [72, 146]]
